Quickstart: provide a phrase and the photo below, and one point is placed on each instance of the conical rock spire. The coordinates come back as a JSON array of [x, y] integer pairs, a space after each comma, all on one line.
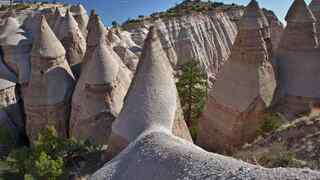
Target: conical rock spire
[[72, 39], [45, 43], [299, 12], [298, 62], [47, 97], [238, 101], [80, 15], [96, 33], [253, 17], [152, 97], [99, 95]]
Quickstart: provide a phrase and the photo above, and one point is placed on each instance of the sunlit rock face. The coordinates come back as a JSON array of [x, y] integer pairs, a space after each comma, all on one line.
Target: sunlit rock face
[[315, 8], [243, 90], [153, 83], [96, 32], [206, 38], [153, 152], [48, 95], [298, 63], [16, 49], [72, 39], [99, 95], [80, 15]]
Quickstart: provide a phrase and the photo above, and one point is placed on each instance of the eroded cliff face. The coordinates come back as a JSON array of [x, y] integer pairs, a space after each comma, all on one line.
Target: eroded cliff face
[[202, 37]]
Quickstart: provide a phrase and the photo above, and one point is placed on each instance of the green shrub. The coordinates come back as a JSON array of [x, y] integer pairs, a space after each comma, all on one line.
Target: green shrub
[[48, 156], [270, 122]]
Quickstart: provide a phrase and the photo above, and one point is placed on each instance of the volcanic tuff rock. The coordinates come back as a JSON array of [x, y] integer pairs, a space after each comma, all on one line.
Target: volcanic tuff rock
[[96, 32], [80, 15], [11, 112], [127, 56], [315, 8], [99, 95], [235, 103], [154, 89], [204, 37], [298, 63], [16, 49], [154, 152], [72, 39], [47, 99]]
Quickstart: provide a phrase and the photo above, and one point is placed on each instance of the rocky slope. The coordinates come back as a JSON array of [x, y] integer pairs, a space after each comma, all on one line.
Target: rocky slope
[[205, 35]]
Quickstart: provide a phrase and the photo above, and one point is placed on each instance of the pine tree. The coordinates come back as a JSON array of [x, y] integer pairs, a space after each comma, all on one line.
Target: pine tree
[[192, 88]]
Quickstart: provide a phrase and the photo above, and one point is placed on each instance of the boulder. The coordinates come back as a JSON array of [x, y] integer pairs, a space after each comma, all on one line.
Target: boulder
[[243, 90]]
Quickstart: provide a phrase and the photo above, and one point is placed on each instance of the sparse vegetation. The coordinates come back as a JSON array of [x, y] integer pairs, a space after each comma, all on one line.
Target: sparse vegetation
[[48, 157], [270, 122], [192, 88], [277, 155]]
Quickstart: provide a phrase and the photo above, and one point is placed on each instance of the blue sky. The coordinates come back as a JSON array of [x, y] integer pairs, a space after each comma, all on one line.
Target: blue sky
[[121, 10]]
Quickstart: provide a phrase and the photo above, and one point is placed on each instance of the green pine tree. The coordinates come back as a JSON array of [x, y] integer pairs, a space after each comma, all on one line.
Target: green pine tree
[[192, 88]]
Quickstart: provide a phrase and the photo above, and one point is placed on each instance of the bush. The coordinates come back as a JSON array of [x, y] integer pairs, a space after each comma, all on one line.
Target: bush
[[48, 156], [270, 122]]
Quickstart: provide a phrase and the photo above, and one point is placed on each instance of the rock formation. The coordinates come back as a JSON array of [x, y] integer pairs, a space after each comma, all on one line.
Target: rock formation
[[127, 56], [80, 15], [72, 39], [113, 38], [298, 63], [153, 86], [154, 153], [99, 95], [11, 112], [16, 48], [96, 32], [55, 22], [243, 90], [315, 8], [47, 99]]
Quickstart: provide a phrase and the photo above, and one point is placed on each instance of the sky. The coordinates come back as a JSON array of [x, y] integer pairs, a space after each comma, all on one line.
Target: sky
[[121, 10]]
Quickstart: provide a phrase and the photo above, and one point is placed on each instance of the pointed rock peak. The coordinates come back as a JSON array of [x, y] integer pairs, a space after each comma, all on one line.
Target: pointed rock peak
[[104, 67], [96, 30], [152, 35], [152, 94], [11, 25], [58, 12], [253, 17], [45, 43], [300, 12], [78, 9], [315, 6], [71, 23]]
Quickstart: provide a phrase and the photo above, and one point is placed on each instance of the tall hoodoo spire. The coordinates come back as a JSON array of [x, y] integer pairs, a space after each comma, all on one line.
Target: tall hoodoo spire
[[45, 42], [152, 97], [100, 91], [315, 8], [72, 39], [299, 12], [96, 33], [298, 62], [236, 102], [80, 15], [51, 83]]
